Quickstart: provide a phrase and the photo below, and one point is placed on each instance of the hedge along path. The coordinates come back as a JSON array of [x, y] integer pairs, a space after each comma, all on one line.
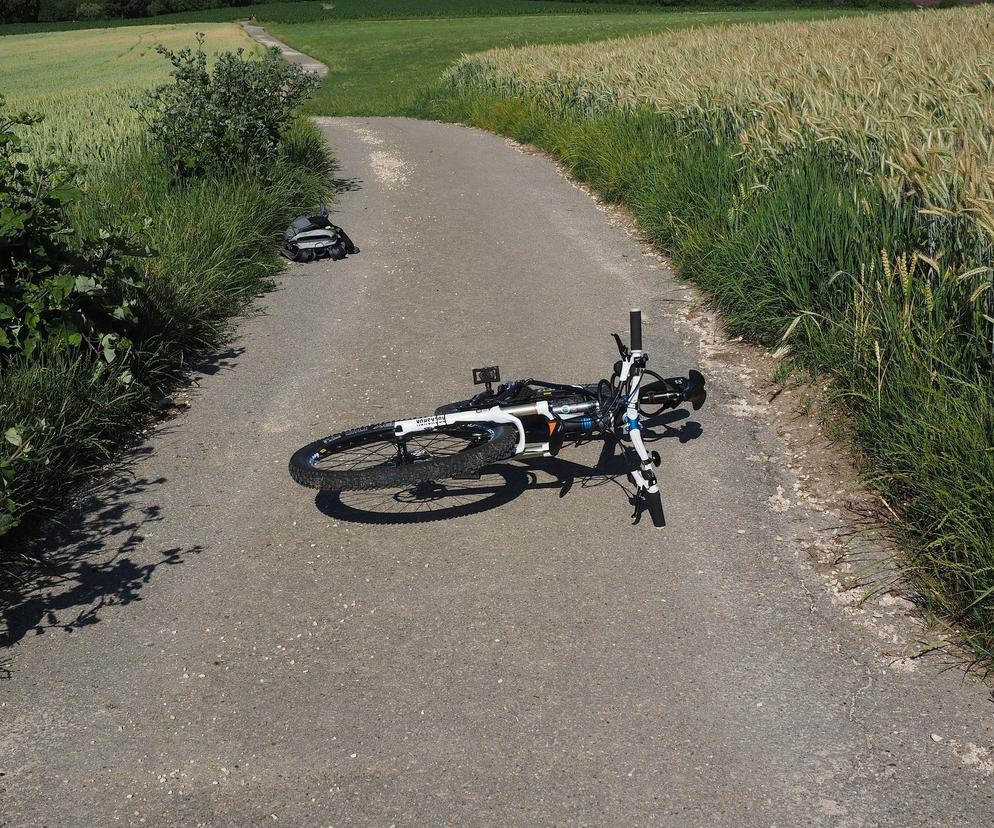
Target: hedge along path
[[305, 62]]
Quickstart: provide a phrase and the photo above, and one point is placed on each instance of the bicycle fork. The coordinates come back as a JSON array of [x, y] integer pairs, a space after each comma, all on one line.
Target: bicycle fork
[[642, 474]]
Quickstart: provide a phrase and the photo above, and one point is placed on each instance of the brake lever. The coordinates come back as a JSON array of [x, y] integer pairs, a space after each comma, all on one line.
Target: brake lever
[[621, 346]]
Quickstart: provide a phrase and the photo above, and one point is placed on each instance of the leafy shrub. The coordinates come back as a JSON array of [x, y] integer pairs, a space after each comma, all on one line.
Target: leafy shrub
[[126, 8], [56, 283], [219, 118], [90, 11], [52, 10]]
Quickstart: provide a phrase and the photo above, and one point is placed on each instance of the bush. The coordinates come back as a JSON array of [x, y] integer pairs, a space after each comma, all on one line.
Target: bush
[[126, 8], [90, 11], [57, 285], [215, 119]]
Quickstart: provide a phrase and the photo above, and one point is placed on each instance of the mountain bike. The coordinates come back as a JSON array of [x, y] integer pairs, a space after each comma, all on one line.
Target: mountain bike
[[518, 418]]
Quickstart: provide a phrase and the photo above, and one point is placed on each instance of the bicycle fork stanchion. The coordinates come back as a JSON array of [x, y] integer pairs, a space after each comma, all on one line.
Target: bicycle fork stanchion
[[643, 475], [494, 415]]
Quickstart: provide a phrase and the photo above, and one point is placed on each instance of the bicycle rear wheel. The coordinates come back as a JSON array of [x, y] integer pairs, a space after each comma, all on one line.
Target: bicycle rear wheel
[[374, 457]]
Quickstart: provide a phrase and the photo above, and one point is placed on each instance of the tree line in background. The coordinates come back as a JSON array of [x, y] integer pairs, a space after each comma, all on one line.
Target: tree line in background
[[28, 11], [711, 5]]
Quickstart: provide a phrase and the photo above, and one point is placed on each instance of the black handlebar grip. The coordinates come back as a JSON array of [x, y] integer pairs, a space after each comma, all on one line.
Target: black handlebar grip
[[655, 505], [635, 321]]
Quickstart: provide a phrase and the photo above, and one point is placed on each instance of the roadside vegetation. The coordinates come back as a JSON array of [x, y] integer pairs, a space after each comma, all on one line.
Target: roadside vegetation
[[830, 185], [381, 67], [130, 239]]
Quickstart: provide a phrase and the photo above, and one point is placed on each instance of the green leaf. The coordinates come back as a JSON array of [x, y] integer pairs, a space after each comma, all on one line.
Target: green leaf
[[86, 284], [107, 342], [13, 436], [66, 193], [11, 222]]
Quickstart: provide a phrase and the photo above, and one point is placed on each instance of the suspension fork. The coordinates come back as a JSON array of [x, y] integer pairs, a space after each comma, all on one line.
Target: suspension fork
[[643, 474]]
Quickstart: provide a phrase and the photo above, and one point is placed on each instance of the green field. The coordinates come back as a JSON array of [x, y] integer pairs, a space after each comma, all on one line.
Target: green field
[[381, 67], [91, 78]]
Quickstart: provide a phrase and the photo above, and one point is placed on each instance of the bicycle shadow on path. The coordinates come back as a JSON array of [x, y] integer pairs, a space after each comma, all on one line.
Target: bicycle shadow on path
[[500, 483]]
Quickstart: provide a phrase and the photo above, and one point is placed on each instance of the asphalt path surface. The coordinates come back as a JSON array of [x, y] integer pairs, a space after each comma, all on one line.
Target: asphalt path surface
[[291, 55], [215, 645]]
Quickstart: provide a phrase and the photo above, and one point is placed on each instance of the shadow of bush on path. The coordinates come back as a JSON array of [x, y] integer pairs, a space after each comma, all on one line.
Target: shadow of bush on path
[[88, 562]]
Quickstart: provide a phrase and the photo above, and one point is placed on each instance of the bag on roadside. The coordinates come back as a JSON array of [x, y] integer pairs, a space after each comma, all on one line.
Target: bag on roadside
[[315, 237]]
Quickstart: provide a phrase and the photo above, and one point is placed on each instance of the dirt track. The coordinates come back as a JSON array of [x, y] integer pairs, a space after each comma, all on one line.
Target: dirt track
[[222, 648]]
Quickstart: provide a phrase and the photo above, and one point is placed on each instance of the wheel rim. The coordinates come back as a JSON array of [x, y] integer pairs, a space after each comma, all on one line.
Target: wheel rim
[[384, 449]]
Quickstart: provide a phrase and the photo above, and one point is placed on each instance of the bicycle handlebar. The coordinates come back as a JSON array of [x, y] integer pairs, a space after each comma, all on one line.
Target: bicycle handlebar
[[635, 323]]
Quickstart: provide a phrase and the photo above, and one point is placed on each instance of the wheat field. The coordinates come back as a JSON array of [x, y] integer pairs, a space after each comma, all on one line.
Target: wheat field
[[908, 97], [84, 82], [830, 186]]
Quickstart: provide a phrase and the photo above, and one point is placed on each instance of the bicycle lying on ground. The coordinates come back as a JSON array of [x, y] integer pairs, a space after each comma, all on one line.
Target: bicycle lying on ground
[[521, 418]]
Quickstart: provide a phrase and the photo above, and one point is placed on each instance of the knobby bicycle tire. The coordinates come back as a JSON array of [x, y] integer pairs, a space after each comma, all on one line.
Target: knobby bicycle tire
[[496, 442]]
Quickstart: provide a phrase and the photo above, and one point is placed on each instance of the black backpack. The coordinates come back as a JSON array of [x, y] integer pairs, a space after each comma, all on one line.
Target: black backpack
[[315, 237]]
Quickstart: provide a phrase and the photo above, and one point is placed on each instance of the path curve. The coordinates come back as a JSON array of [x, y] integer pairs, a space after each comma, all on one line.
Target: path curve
[[224, 649], [291, 55]]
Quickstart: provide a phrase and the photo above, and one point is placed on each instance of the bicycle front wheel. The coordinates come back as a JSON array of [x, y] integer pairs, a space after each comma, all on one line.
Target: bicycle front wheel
[[374, 457]]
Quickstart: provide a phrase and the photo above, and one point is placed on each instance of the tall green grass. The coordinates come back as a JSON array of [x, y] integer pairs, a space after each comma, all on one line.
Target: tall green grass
[[216, 241], [817, 252]]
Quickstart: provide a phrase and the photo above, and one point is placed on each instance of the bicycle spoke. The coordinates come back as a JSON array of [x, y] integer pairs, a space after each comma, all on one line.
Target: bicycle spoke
[[388, 450]]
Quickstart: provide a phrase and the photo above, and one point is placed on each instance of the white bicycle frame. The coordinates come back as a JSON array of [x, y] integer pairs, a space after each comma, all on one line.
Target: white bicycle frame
[[630, 377]]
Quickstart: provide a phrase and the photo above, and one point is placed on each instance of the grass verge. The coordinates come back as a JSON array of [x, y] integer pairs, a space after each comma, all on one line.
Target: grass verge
[[216, 240], [905, 364]]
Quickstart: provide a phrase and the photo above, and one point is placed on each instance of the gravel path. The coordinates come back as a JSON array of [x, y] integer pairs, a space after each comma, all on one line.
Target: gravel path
[[305, 62], [221, 648]]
